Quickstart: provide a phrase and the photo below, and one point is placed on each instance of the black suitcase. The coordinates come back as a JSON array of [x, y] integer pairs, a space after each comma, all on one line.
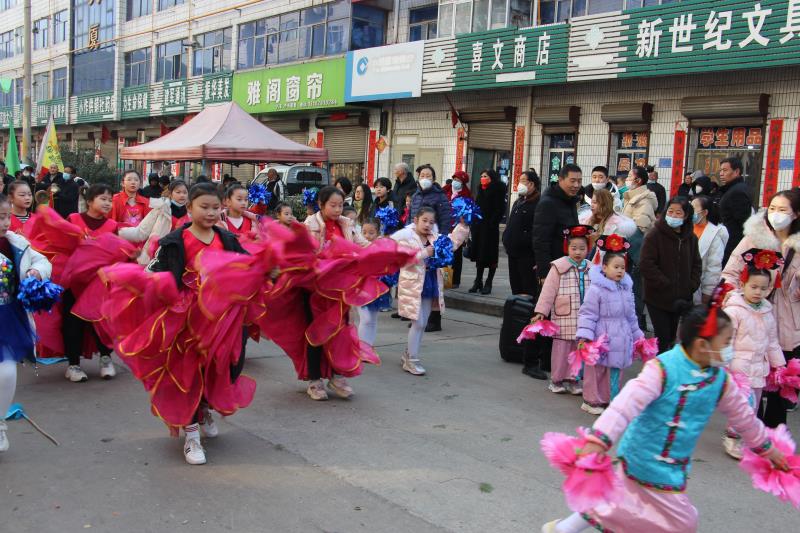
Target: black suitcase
[[517, 313]]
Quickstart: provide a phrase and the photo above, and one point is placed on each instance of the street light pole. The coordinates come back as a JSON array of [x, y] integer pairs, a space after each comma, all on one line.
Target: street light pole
[[27, 85]]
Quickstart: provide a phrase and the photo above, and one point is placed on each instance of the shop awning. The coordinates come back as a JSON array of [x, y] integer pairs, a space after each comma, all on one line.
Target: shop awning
[[224, 133]]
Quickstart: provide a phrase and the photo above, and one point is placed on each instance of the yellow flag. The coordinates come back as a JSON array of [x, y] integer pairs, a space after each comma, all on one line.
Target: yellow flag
[[49, 154]]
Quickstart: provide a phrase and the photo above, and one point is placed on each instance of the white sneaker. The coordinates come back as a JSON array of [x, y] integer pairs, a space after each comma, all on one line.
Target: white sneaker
[[339, 386], [550, 527], [75, 374], [557, 389], [3, 436], [575, 388], [316, 391], [107, 370], [592, 410], [208, 426], [193, 452], [412, 366], [733, 446]]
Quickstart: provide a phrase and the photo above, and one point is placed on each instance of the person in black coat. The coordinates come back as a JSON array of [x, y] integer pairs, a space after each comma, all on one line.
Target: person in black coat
[[153, 190], [404, 184], [66, 191], [557, 209], [657, 188], [518, 239], [736, 202], [686, 188], [491, 199]]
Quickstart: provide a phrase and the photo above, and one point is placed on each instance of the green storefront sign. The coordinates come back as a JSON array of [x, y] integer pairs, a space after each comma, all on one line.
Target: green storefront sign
[[173, 97], [510, 56], [702, 36], [10, 116], [315, 85], [135, 102], [217, 88], [97, 107]]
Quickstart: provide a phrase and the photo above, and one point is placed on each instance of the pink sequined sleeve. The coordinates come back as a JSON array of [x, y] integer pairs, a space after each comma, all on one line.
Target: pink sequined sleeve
[[741, 416], [635, 396]]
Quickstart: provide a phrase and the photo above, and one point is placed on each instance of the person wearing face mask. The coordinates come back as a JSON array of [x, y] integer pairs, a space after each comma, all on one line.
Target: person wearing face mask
[[518, 238], [712, 238], [736, 202], [600, 180], [66, 189], [640, 203], [670, 267], [776, 229], [458, 188], [486, 230]]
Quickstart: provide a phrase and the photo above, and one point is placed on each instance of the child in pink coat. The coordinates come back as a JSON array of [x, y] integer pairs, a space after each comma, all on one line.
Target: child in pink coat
[[561, 297], [755, 338]]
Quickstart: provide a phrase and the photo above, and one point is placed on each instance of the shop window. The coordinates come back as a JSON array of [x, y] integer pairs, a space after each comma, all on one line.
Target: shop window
[[369, 27], [137, 67], [422, 23], [559, 151], [41, 33], [628, 149], [171, 59], [138, 8], [60, 82], [709, 146], [41, 86], [6, 45], [212, 52], [60, 28], [166, 4], [463, 16]]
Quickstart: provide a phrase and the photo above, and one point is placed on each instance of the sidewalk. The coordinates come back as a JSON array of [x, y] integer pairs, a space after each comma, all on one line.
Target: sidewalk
[[491, 304]]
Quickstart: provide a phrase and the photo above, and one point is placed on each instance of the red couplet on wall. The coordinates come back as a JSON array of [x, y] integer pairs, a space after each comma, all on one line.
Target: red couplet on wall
[[460, 150], [796, 176], [773, 160], [678, 152], [519, 150], [373, 137]]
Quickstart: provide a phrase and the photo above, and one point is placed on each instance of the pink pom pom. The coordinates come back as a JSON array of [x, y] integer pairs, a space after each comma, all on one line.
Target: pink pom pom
[[590, 479], [541, 327], [645, 349], [588, 353], [783, 484], [785, 380], [742, 383]]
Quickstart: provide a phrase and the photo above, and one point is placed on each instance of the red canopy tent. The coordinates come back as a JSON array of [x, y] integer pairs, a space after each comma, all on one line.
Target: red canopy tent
[[224, 133]]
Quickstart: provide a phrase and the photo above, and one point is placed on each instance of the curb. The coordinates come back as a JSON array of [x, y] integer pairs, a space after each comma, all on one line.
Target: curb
[[473, 304]]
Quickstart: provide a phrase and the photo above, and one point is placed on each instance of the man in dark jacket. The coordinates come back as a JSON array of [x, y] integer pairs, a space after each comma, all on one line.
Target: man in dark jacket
[[556, 211], [404, 184], [153, 190], [275, 188], [66, 191], [657, 188], [736, 203]]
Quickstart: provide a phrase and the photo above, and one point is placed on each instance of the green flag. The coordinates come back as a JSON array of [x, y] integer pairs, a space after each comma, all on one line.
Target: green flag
[[12, 156]]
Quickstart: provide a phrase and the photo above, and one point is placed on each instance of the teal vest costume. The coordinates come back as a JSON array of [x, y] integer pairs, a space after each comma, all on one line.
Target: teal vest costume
[[656, 449]]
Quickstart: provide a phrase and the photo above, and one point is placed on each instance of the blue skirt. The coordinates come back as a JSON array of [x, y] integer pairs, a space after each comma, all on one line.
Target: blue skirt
[[430, 287], [383, 301], [16, 335]]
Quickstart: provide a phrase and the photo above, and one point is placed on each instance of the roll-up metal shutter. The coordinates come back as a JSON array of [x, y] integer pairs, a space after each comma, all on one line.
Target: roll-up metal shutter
[[346, 144], [295, 130], [743, 110], [491, 135], [558, 119], [627, 117], [244, 173], [489, 114]]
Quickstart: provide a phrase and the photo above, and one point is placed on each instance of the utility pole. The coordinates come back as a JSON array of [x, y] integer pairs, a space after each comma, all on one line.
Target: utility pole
[[27, 84]]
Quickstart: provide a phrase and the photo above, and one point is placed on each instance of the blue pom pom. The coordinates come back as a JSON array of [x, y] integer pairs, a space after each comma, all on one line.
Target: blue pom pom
[[389, 218], [37, 295], [310, 198], [258, 194], [390, 280], [442, 253], [465, 208]]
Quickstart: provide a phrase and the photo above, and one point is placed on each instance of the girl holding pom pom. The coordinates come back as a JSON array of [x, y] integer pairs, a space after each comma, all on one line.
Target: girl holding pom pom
[[17, 262], [755, 332], [561, 297], [420, 288], [368, 314], [656, 421], [608, 310]]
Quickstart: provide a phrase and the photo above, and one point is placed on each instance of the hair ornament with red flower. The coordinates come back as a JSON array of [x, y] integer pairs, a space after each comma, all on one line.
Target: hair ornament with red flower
[[615, 244], [761, 259], [579, 231], [709, 328]]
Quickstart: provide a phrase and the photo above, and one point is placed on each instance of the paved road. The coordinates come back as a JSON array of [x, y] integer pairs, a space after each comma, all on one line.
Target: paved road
[[455, 451]]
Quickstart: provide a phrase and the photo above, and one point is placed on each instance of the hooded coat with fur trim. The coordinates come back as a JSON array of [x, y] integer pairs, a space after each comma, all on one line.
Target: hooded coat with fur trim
[[786, 299]]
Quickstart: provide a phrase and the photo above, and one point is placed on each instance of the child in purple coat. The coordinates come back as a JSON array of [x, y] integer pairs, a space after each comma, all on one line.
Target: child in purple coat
[[608, 309]]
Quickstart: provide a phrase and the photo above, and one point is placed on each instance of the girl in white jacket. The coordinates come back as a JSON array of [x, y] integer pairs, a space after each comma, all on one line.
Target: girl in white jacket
[[712, 239], [17, 262]]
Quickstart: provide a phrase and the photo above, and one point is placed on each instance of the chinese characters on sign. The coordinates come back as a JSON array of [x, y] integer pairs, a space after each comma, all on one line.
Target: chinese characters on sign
[[174, 97], [733, 137], [772, 167], [96, 106], [136, 102], [217, 89], [94, 37]]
